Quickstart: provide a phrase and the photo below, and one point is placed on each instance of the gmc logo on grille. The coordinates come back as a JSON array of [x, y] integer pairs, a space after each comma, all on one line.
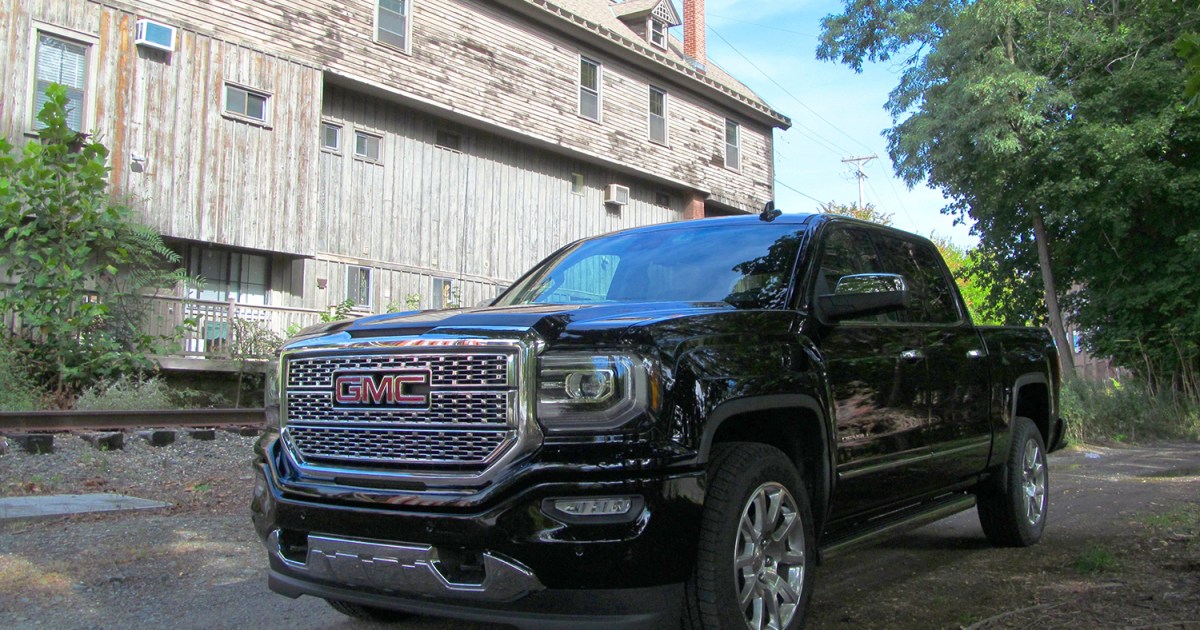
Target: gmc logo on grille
[[394, 389]]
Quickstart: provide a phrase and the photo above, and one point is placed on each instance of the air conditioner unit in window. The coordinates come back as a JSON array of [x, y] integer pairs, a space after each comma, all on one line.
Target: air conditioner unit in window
[[616, 195], [154, 35]]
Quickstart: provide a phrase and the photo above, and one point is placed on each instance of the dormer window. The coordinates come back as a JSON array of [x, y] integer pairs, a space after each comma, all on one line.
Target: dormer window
[[658, 32]]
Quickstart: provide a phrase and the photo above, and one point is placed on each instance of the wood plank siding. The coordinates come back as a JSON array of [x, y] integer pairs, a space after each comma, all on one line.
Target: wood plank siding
[[500, 75]]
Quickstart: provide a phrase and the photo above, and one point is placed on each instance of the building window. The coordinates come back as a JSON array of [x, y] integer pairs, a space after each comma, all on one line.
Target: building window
[[229, 275], [658, 115], [331, 137], [245, 103], [367, 146], [589, 89], [658, 32], [392, 23], [449, 140], [64, 62], [577, 183], [733, 145], [358, 286], [662, 199], [445, 294]]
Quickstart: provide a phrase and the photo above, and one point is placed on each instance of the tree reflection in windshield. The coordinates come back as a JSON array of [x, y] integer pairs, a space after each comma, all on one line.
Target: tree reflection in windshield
[[747, 266]]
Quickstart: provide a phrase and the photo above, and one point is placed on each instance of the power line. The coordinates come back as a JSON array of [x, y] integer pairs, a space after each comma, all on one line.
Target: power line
[[798, 192], [785, 91]]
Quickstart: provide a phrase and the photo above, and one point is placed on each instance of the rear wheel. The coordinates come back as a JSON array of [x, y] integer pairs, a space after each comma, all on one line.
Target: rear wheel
[[1012, 510], [754, 565], [367, 613]]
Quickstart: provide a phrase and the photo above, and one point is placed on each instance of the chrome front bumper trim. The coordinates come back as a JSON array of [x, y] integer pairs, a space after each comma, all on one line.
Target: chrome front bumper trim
[[405, 569]]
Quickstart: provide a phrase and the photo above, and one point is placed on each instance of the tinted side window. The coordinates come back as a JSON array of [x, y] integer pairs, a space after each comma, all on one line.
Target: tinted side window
[[940, 305], [846, 253], [931, 297]]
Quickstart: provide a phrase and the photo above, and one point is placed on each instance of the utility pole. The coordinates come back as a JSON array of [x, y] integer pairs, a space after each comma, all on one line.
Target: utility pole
[[859, 161]]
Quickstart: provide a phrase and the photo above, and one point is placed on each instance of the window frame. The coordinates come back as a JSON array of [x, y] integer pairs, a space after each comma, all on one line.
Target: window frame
[[193, 260], [265, 121], [735, 147], [438, 297], [378, 159], [597, 92], [71, 36], [350, 269], [336, 150], [666, 130], [651, 32], [441, 136], [406, 47]]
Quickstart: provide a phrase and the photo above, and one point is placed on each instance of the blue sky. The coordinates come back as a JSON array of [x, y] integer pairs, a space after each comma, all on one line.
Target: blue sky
[[835, 112]]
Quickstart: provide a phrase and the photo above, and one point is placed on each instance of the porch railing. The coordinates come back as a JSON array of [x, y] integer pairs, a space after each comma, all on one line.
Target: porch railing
[[222, 329]]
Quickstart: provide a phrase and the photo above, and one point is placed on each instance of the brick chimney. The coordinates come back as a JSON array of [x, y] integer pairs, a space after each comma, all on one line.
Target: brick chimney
[[693, 30]]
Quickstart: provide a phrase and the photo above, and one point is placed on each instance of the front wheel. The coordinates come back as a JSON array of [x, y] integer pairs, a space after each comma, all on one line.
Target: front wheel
[[1012, 510], [754, 564]]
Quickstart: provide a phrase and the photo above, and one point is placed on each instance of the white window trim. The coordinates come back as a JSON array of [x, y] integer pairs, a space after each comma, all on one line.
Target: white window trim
[[599, 90], [650, 22], [89, 91], [268, 105], [726, 145], [370, 287], [408, 20], [354, 148], [666, 141], [341, 136]]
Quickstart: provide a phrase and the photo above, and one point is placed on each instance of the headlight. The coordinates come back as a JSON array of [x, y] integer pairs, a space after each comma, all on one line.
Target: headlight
[[589, 392]]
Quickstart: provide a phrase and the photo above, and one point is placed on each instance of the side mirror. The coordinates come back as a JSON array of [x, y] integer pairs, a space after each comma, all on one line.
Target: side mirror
[[863, 295]]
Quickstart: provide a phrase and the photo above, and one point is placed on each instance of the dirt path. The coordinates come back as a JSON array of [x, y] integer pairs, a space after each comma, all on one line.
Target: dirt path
[[1122, 550]]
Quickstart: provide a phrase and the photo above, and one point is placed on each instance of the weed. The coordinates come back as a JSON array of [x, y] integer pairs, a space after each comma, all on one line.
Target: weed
[[126, 392], [1096, 560], [202, 487], [1126, 413]]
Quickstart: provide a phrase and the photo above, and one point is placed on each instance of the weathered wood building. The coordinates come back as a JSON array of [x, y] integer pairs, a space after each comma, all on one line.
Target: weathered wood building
[[391, 152]]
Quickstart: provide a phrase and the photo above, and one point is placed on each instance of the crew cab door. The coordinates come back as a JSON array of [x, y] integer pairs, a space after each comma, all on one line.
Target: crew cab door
[[958, 428], [878, 376]]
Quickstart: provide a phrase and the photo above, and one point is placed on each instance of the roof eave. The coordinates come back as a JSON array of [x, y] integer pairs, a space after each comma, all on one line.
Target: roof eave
[[621, 46]]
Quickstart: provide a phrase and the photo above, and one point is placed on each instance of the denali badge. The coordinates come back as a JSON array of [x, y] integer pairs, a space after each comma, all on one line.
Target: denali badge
[[392, 389]]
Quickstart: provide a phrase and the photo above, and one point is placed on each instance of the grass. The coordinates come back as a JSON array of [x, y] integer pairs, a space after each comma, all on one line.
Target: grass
[[1123, 412], [1096, 559]]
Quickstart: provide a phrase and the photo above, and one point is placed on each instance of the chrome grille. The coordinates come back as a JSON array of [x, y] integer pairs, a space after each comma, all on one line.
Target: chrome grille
[[466, 370], [396, 446], [469, 422], [446, 407]]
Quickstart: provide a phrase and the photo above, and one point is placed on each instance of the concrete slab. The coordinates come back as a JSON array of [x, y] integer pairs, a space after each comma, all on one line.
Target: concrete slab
[[50, 506]]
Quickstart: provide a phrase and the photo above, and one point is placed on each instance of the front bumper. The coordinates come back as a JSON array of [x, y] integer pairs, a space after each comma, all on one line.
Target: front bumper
[[506, 559]]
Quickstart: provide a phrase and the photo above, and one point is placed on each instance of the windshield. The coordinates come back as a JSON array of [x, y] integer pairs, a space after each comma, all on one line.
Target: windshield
[[747, 266]]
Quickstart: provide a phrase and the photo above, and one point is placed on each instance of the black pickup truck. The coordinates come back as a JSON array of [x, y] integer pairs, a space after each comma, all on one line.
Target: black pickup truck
[[660, 426]]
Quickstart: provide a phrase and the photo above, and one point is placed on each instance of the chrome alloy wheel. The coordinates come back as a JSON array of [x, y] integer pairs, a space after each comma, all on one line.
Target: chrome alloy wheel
[[768, 560], [1033, 470]]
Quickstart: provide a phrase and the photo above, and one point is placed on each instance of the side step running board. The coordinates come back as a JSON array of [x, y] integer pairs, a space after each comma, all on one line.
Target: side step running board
[[898, 523]]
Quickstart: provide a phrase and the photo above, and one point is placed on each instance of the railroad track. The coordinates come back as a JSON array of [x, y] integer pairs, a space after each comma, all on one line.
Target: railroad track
[[27, 421]]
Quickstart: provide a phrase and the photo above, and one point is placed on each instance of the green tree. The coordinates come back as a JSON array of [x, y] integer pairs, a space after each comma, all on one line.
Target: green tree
[[1056, 126], [75, 261], [1188, 47], [866, 212]]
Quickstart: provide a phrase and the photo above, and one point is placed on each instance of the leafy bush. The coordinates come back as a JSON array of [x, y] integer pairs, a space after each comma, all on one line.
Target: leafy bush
[[16, 387], [131, 392], [1114, 411], [76, 261]]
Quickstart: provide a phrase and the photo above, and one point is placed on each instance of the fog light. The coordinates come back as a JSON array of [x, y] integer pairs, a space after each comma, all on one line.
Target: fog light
[[611, 506]]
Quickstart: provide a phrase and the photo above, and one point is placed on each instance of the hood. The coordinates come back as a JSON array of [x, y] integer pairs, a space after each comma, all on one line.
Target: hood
[[554, 323]]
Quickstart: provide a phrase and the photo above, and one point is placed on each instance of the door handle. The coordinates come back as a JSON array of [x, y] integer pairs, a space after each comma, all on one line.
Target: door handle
[[912, 355]]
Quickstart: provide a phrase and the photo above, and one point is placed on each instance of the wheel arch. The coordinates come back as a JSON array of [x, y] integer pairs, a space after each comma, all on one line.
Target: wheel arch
[[793, 423], [1032, 399]]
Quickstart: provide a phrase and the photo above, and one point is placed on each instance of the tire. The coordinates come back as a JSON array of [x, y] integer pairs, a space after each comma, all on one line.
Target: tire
[[755, 560], [1012, 509], [367, 613]]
